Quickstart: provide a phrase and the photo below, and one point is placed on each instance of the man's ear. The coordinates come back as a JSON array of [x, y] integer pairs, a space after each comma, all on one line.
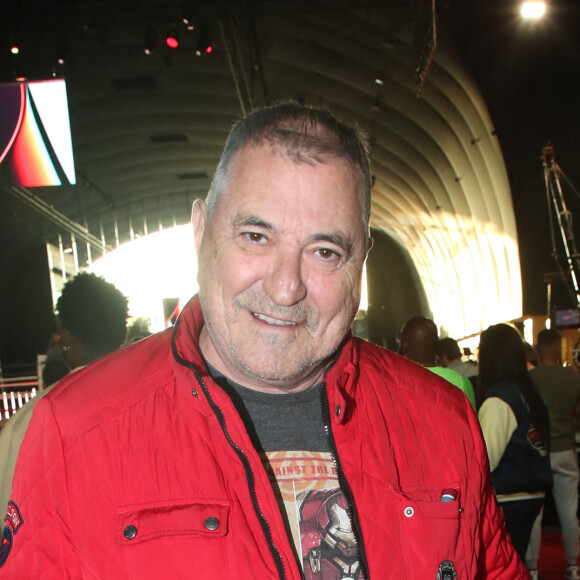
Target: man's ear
[[198, 215], [370, 244]]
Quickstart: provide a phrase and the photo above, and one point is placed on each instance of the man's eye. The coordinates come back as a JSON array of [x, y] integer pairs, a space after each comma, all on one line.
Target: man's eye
[[255, 237], [327, 254]]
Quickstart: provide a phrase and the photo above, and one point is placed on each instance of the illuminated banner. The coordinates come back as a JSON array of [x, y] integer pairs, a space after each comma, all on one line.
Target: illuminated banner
[[35, 138]]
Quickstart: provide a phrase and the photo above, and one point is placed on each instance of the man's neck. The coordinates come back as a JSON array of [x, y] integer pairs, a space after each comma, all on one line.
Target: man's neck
[[233, 373]]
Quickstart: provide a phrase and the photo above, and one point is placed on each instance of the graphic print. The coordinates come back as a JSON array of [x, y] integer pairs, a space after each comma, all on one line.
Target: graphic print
[[317, 514], [329, 549]]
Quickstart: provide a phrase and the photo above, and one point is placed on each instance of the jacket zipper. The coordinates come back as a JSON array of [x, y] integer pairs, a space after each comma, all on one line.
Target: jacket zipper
[[242, 456], [249, 477], [352, 514]]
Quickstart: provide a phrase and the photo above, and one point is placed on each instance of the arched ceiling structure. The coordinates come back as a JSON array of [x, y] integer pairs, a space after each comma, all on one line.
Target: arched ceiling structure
[[147, 130]]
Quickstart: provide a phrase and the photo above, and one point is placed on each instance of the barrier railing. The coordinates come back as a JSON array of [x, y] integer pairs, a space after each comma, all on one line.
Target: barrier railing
[[15, 393]]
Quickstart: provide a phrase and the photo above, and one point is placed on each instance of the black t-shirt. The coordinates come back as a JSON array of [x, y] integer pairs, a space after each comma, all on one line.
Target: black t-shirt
[[279, 421], [288, 432]]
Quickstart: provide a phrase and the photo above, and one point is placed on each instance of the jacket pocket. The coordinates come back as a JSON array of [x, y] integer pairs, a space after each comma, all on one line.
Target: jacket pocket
[[429, 522], [177, 539], [188, 517]]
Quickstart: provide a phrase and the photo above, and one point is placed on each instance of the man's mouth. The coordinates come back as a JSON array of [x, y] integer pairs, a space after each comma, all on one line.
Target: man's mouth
[[273, 321]]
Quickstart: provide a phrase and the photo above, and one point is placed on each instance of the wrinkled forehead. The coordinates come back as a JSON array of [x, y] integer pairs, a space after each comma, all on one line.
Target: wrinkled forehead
[[257, 161], [296, 153], [265, 182]]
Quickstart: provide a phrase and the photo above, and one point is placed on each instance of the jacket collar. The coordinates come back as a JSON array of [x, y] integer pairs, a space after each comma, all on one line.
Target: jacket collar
[[340, 376], [185, 337]]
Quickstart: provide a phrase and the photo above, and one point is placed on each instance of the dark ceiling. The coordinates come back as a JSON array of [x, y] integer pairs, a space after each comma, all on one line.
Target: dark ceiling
[[147, 130]]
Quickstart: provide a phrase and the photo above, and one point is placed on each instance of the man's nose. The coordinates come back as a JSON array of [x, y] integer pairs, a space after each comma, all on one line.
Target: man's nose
[[285, 283]]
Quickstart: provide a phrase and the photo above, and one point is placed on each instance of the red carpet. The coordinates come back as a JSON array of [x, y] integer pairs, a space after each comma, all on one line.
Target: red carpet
[[552, 562]]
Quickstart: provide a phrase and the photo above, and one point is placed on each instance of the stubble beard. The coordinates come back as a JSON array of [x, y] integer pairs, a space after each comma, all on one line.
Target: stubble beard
[[275, 358]]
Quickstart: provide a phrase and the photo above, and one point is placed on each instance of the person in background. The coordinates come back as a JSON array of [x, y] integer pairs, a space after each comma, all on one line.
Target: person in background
[[258, 439], [55, 365], [53, 370], [92, 319], [138, 330], [515, 425], [451, 358], [419, 342], [560, 387], [531, 356]]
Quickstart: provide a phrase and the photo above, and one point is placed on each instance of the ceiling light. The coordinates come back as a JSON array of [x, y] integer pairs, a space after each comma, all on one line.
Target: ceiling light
[[172, 39], [61, 49], [533, 10], [188, 23], [204, 45], [150, 40]]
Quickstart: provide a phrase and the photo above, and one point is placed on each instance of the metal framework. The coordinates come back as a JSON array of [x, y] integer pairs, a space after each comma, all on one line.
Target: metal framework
[[58, 218], [557, 206]]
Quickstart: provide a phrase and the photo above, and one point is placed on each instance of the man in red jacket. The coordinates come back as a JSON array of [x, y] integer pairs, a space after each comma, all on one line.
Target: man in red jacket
[[260, 439]]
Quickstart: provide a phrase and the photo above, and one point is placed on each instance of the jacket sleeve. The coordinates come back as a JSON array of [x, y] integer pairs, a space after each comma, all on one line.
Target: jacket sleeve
[[498, 424], [497, 558], [38, 540]]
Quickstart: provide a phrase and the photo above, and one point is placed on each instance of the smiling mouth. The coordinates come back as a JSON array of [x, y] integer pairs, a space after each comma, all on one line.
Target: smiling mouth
[[273, 321]]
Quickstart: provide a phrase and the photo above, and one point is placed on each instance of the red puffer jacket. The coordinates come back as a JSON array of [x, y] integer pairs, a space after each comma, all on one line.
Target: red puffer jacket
[[140, 467]]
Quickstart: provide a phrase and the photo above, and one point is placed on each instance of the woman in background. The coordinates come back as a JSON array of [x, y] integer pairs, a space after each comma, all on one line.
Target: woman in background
[[515, 425]]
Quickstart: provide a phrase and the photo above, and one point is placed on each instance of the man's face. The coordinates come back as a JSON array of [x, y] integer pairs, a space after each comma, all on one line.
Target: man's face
[[280, 264]]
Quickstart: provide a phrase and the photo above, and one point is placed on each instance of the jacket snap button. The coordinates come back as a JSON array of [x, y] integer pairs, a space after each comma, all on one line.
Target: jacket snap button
[[211, 524], [338, 410], [130, 532], [409, 512]]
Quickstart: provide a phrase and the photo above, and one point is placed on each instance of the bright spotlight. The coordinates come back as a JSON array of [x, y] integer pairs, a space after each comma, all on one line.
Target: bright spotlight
[[533, 10], [172, 42]]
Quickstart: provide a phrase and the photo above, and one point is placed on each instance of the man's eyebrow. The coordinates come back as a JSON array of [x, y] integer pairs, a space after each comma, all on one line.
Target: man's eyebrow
[[252, 221], [335, 239]]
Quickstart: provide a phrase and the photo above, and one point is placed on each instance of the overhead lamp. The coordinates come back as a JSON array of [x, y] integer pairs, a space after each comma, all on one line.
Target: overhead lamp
[[533, 10], [204, 45], [61, 49], [188, 23], [172, 39], [150, 40]]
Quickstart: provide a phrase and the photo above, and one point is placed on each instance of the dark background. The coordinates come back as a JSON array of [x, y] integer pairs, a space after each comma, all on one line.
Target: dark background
[[529, 75]]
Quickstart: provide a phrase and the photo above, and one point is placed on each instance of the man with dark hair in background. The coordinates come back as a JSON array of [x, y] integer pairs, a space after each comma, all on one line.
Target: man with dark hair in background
[[259, 439], [419, 342], [92, 322], [560, 387], [450, 355]]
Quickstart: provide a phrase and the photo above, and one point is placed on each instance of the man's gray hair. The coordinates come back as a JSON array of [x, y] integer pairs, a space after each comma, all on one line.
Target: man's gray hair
[[305, 135]]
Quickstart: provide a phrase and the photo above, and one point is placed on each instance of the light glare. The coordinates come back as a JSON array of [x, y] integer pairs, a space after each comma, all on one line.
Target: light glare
[[533, 10], [149, 269]]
